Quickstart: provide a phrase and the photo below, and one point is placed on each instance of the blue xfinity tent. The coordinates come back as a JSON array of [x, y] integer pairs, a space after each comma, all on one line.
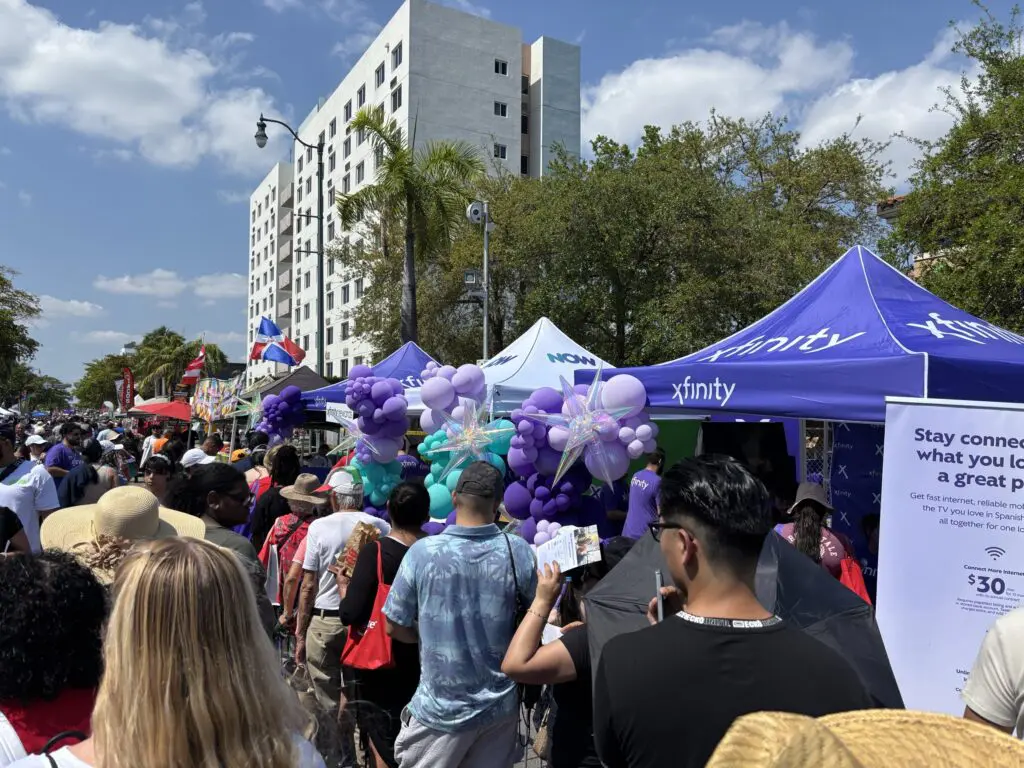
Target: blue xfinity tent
[[859, 332], [405, 364]]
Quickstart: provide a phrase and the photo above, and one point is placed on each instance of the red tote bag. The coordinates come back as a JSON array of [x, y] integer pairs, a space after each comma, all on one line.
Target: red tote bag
[[371, 647]]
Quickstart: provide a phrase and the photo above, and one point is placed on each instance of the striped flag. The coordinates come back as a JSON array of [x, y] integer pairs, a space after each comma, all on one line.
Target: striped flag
[[194, 369]]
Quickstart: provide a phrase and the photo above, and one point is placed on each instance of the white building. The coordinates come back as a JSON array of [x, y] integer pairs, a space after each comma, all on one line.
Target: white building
[[442, 74], [270, 260]]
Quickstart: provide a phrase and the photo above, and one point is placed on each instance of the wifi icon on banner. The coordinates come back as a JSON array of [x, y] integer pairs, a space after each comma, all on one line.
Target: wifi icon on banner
[[995, 552]]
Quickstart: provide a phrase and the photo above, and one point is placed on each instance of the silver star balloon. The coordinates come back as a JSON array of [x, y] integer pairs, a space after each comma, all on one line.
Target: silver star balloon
[[585, 422], [353, 435], [470, 435]]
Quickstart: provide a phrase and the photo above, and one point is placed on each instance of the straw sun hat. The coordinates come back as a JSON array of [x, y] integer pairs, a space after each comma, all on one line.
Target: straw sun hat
[[304, 489], [127, 513], [878, 738]]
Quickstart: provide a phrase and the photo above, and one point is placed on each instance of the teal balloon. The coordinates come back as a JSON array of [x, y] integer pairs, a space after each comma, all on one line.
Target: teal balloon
[[496, 461], [453, 479], [440, 501], [378, 499], [502, 444], [436, 469], [428, 481]]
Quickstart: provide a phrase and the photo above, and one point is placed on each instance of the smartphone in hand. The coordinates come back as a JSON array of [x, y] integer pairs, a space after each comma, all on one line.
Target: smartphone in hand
[[659, 582]]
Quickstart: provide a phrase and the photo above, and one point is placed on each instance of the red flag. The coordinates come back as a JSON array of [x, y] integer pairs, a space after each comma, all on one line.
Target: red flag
[[194, 369], [127, 389]]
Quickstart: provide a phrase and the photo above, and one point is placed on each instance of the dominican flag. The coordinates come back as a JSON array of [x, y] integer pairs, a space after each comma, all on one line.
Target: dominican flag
[[273, 345], [194, 369]]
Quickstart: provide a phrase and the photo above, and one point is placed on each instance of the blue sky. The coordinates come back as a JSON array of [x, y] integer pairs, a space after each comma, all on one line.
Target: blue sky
[[126, 150]]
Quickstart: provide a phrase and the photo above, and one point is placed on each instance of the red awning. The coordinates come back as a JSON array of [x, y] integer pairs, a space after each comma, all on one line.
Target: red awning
[[173, 410]]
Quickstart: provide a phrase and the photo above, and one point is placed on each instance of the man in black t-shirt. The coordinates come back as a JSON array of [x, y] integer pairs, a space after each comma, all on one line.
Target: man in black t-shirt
[[666, 695]]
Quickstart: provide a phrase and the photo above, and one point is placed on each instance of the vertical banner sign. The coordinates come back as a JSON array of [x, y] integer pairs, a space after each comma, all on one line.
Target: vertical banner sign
[[951, 559], [855, 483], [118, 389], [127, 389]]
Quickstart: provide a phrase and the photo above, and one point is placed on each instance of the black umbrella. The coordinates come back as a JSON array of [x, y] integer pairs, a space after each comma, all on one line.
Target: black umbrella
[[788, 583]]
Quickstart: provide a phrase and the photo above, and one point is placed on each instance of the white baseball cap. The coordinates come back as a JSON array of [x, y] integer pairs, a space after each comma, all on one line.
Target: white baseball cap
[[35, 440], [194, 457], [343, 480], [107, 445]]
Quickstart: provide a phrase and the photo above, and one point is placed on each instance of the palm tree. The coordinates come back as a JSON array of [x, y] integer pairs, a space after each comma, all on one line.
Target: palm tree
[[427, 188], [163, 355]]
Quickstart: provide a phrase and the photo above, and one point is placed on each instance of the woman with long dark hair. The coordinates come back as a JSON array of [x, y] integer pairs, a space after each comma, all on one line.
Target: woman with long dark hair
[[285, 467], [806, 529]]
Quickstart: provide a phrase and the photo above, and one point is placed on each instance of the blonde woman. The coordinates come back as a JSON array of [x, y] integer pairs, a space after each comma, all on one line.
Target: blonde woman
[[190, 680]]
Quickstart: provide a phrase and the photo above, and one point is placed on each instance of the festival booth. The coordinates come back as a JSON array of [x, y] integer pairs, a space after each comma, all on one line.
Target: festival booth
[[405, 364]]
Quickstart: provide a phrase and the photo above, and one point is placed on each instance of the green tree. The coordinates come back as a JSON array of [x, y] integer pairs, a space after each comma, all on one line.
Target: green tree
[[17, 309], [48, 394], [424, 189], [163, 355], [96, 385], [966, 204]]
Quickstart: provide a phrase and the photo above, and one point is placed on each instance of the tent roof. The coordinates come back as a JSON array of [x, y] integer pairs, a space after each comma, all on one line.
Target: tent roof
[[536, 359], [405, 364], [302, 377], [857, 333]]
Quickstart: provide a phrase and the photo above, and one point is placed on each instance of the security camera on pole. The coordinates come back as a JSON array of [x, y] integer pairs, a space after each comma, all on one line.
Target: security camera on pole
[[477, 213]]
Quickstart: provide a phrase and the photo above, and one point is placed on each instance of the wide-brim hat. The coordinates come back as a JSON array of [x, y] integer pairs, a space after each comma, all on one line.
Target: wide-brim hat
[[306, 488], [811, 492], [128, 512], [876, 738]]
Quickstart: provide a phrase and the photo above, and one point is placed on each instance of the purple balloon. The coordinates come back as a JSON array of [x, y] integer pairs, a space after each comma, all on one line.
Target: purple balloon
[[547, 399], [468, 379], [365, 409], [550, 508], [537, 508], [519, 463], [517, 441], [450, 520], [581, 389], [541, 537], [270, 401], [529, 529], [624, 391], [517, 500], [437, 393], [547, 461], [446, 372], [524, 427], [607, 462], [562, 502], [380, 392], [531, 453], [432, 528], [542, 492], [291, 394], [378, 415], [360, 372], [395, 407]]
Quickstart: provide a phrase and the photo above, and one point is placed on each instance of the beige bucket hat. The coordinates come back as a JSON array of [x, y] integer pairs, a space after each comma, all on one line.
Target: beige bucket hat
[[305, 489], [876, 738]]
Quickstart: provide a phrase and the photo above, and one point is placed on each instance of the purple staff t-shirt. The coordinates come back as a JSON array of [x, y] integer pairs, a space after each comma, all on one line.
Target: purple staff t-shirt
[[643, 503]]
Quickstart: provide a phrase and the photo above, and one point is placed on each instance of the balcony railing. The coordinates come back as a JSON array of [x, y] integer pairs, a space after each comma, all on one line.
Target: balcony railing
[[284, 310], [284, 281], [284, 252], [285, 224], [288, 196]]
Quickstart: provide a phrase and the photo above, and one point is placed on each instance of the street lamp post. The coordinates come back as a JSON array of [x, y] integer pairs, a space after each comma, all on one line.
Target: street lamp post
[[477, 212], [261, 141]]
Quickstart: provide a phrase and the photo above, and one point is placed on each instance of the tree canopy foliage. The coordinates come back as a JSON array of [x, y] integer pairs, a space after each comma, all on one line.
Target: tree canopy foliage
[[965, 208], [17, 309], [642, 255]]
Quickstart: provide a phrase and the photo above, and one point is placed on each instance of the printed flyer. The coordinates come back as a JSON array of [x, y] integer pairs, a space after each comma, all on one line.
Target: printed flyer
[[951, 543]]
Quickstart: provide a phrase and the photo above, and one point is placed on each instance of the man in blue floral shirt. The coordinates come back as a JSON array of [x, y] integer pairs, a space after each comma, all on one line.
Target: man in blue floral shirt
[[455, 595]]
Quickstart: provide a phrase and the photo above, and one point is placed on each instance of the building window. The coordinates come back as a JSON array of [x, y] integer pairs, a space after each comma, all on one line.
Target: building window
[[396, 99], [379, 75], [332, 128], [296, 314], [396, 57], [305, 341], [330, 304], [322, 139], [273, 193], [378, 157], [330, 366], [330, 231], [298, 191], [305, 312], [330, 267], [525, 85], [500, 151], [360, 137], [346, 148], [359, 288], [330, 163], [361, 96], [501, 67], [358, 360], [306, 280], [500, 109], [344, 369], [524, 165], [309, 154], [360, 173], [344, 295], [298, 163], [346, 185], [525, 124], [348, 110], [309, 185], [344, 331], [330, 335]]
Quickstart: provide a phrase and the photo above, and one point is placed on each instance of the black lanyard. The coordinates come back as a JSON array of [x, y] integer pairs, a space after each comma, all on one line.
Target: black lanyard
[[730, 623], [10, 469]]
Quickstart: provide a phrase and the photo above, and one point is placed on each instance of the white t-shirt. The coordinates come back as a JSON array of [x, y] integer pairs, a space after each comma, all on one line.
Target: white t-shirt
[[308, 758], [324, 542], [28, 491], [995, 689]]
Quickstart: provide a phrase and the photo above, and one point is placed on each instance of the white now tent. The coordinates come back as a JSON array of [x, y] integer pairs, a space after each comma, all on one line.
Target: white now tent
[[536, 359]]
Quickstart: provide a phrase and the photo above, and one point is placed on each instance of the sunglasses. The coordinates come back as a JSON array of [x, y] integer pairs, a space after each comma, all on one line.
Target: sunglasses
[[242, 498], [657, 528]]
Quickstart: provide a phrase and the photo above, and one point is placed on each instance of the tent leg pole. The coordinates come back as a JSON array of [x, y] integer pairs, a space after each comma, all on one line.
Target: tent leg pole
[[802, 458]]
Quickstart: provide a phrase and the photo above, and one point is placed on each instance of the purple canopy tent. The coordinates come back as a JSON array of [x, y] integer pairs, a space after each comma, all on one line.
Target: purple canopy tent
[[861, 331]]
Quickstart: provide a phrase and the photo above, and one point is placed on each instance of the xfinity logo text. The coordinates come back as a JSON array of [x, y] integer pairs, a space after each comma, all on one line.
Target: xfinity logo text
[[807, 344], [410, 381], [690, 390], [974, 331]]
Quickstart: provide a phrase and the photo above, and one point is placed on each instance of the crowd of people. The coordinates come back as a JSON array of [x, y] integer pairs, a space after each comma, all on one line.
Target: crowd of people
[[208, 616]]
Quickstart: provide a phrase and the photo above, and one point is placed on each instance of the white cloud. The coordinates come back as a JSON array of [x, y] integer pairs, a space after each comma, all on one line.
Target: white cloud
[[152, 88], [5, 150], [220, 286], [112, 338], [159, 282], [749, 69], [25, 197], [232, 198], [119, 154], [224, 337], [279, 6], [468, 7], [165, 304], [54, 307]]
